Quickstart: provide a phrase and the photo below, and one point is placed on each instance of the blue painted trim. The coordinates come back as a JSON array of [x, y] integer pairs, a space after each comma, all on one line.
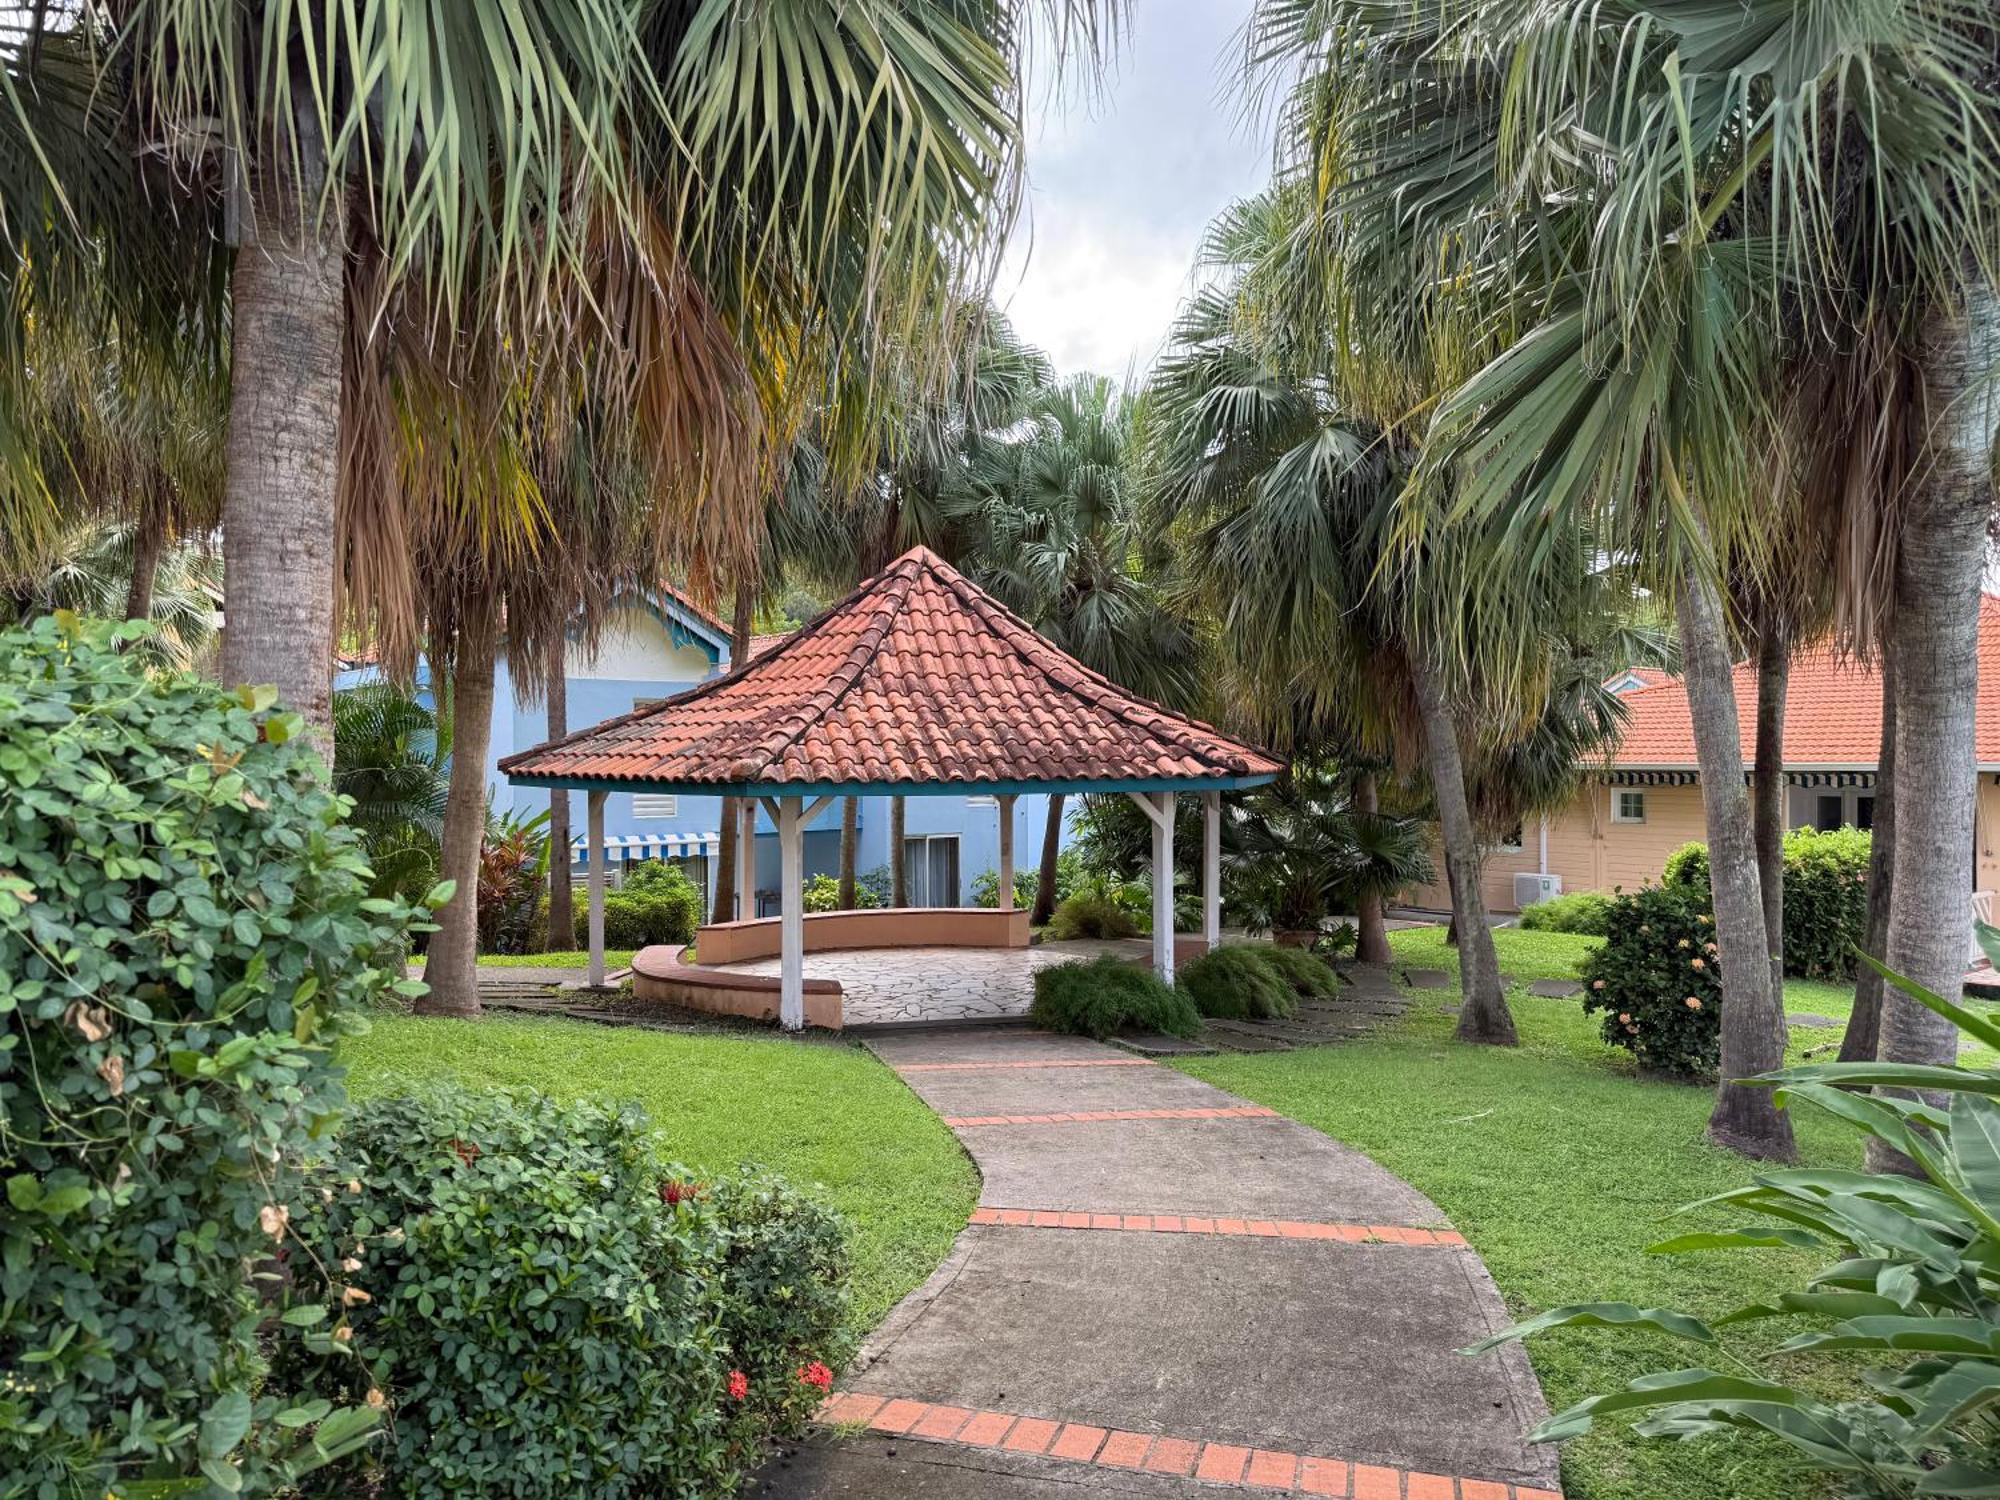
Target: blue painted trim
[[896, 788]]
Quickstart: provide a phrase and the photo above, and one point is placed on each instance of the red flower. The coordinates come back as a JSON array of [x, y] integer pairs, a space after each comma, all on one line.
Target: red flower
[[817, 1374], [675, 1193], [739, 1385], [468, 1151]]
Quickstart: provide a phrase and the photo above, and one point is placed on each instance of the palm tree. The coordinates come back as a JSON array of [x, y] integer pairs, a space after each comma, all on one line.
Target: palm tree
[[96, 567], [390, 756], [1641, 239]]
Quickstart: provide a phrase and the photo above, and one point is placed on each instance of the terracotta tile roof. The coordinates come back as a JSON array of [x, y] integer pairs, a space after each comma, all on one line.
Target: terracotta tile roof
[[759, 644], [917, 678], [708, 617], [1833, 711]]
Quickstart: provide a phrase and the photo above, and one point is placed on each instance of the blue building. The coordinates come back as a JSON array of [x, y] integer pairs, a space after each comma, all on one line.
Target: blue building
[[656, 644]]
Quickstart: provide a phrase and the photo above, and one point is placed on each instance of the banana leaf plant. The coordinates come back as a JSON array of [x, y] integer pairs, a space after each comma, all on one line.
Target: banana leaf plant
[[1913, 1280]]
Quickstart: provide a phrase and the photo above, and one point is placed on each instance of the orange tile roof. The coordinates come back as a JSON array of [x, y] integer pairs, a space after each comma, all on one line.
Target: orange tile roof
[[916, 679], [759, 644], [1833, 711]]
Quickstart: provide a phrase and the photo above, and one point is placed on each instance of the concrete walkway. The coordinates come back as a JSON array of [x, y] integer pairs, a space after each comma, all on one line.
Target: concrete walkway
[[1164, 1291]]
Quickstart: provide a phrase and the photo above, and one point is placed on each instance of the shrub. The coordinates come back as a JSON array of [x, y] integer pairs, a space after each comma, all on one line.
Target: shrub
[[1912, 1282], [1093, 912], [1107, 995], [1340, 942], [639, 916], [1826, 896], [663, 877], [986, 889], [1586, 912], [1657, 981], [513, 882], [185, 926], [1310, 977], [1239, 981], [547, 1314], [822, 893]]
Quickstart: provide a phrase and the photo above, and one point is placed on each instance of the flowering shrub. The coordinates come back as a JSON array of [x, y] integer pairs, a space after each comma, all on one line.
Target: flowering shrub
[[1826, 896], [544, 1312], [1655, 981], [185, 925]]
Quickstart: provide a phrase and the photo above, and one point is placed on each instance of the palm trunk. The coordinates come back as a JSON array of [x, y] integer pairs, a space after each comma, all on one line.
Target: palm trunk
[[288, 317], [1483, 1015], [1864, 1024], [451, 966], [741, 620], [1767, 802], [562, 904], [1045, 878], [899, 887], [1941, 557], [1371, 932], [850, 838], [149, 540], [1753, 1028]]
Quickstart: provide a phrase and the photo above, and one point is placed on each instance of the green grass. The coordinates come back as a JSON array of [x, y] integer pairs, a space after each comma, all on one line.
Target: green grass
[[1562, 1165], [614, 958], [826, 1115]]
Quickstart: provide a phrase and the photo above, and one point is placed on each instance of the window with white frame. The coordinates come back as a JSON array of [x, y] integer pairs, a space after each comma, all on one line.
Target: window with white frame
[[1510, 842], [1628, 806], [930, 869], [982, 801], [655, 805]]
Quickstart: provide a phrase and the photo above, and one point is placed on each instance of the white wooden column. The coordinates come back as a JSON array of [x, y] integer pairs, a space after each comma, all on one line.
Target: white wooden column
[[595, 803], [1006, 851], [1211, 868], [1159, 810], [746, 859], [792, 916]]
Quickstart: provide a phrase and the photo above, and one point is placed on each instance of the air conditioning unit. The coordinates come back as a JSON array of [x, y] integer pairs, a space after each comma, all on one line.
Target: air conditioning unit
[[1528, 889]]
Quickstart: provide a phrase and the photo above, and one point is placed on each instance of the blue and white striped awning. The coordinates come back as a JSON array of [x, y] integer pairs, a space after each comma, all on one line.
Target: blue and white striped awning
[[627, 848]]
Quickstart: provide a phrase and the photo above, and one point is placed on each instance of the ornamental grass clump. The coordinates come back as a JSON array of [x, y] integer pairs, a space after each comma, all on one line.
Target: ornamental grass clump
[[546, 1311], [1241, 982], [1107, 995], [1655, 980], [185, 932]]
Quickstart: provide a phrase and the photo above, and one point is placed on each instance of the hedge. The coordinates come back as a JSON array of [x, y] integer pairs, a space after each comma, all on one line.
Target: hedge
[[1826, 896]]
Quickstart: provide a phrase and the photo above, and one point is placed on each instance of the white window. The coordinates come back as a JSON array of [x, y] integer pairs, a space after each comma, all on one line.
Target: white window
[[1510, 843], [655, 805], [930, 869], [1628, 807], [982, 801]]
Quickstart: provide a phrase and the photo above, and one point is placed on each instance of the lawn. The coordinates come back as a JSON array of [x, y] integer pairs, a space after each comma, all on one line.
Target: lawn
[[1562, 1165], [825, 1114], [575, 958]]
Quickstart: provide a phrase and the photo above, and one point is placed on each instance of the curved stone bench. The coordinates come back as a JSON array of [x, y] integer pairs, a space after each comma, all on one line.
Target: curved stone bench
[[658, 974], [878, 927]]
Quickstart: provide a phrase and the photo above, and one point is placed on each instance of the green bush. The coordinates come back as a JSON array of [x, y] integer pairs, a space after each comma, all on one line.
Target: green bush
[[1656, 980], [663, 877], [1826, 896], [1910, 1282], [547, 1314], [1241, 982], [986, 889], [1107, 995], [657, 904], [1310, 976], [1090, 913], [822, 893], [185, 927], [1585, 912]]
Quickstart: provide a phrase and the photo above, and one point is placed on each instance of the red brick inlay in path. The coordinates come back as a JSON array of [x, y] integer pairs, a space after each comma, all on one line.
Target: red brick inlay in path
[[1092, 1116], [1279, 1229], [1052, 1062], [1230, 1464]]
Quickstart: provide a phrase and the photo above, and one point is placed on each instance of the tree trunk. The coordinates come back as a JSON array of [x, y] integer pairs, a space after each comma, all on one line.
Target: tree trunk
[[850, 839], [1045, 878], [562, 902], [1451, 922], [1371, 933], [1864, 1024], [726, 855], [1483, 1015], [451, 964], [281, 460], [1767, 802], [1941, 556], [1753, 1028], [899, 887], [149, 540]]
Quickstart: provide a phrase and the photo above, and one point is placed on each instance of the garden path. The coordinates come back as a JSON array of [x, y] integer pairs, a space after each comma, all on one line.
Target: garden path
[[1165, 1290]]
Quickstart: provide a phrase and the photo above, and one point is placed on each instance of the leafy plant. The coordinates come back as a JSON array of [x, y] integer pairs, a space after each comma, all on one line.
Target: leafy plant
[[986, 888], [1913, 1280], [547, 1313], [1296, 852], [1657, 980], [391, 756], [661, 877], [822, 893], [1826, 896], [1106, 995], [1308, 974], [513, 876], [641, 915], [1585, 912], [1093, 912], [185, 929], [1239, 981]]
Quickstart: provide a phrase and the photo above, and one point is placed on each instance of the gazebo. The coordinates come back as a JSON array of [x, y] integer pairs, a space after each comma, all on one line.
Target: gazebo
[[917, 684]]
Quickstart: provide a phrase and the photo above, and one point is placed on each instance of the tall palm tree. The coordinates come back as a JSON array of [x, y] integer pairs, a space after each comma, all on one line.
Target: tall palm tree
[[94, 567]]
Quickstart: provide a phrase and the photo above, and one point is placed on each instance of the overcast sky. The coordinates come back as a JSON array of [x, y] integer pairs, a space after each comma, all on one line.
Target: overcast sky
[[1119, 190]]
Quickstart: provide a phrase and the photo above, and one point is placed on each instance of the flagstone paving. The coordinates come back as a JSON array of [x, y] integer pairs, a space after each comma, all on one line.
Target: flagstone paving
[[1165, 1291]]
